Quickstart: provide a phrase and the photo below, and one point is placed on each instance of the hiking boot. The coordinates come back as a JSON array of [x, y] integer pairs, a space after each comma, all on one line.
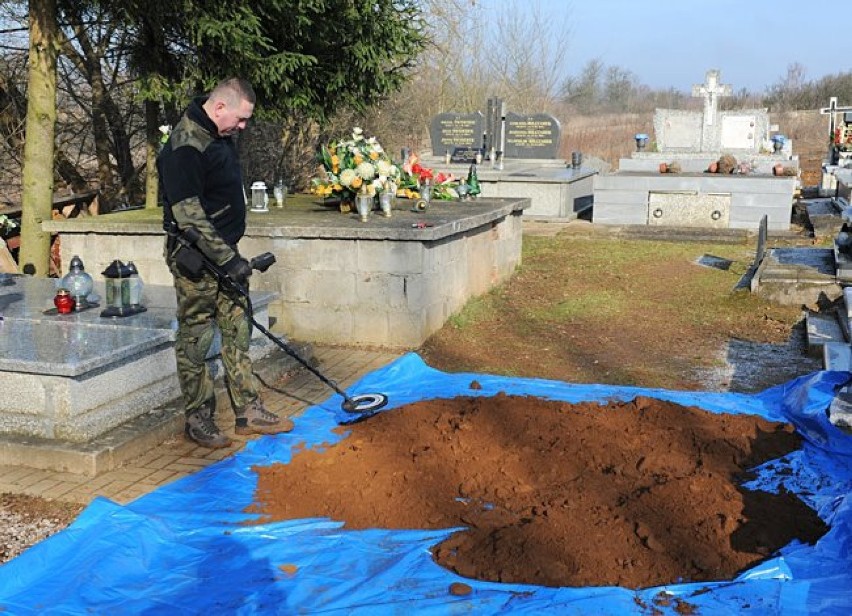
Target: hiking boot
[[201, 429], [253, 418]]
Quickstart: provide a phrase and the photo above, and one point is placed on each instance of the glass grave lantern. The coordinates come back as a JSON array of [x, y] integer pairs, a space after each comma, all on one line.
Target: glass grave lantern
[[123, 290], [259, 198], [78, 283], [641, 141]]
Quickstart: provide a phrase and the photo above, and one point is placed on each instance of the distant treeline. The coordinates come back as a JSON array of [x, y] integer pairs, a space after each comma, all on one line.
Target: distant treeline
[[599, 89]]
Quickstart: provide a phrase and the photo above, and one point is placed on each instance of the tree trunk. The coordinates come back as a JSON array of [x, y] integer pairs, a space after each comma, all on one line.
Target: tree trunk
[[152, 177], [37, 199]]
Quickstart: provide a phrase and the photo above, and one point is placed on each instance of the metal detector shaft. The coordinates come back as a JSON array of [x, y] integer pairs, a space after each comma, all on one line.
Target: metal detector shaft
[[361, 403], [243, 292]]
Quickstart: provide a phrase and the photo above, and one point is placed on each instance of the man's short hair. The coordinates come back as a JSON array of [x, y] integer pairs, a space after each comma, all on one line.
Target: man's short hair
[[233, 90]]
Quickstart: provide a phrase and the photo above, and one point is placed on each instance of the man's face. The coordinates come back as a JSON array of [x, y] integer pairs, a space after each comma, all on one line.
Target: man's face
[[230, 119]]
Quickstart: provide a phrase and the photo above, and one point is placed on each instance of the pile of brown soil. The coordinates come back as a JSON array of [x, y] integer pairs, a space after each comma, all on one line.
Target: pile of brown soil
[[555, 494]]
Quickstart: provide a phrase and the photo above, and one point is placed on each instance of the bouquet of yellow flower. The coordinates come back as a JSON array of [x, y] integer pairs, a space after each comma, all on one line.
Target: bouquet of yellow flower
[[354, 165]]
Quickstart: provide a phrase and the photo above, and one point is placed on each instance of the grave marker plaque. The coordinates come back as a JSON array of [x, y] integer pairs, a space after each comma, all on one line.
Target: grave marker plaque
[[450, 131], [464, 155], [534, 135], [677, 130], [739, 132]]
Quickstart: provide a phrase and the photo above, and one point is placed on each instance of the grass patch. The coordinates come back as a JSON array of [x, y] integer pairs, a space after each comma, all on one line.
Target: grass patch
[[631, 312], [474, 311], [601, 304]]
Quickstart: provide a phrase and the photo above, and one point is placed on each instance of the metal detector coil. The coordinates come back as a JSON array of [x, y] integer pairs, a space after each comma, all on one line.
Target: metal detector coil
[[364, 403]]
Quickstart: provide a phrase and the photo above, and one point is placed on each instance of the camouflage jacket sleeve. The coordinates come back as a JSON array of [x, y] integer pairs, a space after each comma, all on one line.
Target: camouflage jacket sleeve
[[189, 213]]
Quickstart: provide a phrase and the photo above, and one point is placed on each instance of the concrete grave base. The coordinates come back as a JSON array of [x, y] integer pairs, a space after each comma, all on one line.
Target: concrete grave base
[[632, 197], [796, 276], [132, 438], [388, 282]]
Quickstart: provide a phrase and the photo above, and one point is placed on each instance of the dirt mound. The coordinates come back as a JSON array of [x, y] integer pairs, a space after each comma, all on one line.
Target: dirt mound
[[555, 494]]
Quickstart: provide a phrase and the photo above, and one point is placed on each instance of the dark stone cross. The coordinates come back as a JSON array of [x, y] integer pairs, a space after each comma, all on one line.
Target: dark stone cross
[[832, 110]]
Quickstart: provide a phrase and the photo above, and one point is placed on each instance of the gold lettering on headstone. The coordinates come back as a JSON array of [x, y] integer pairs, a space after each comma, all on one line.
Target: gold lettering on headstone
[[457, 131], [530, 133]]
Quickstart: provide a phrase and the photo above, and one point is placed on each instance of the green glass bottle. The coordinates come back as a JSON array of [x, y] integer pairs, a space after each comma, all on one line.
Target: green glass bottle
[[473, 182]]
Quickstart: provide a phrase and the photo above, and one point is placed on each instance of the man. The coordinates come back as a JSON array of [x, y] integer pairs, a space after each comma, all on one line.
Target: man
[[202, 188]]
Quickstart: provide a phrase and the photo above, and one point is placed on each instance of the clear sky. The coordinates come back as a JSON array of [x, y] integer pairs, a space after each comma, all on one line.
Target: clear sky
[[672, 43]]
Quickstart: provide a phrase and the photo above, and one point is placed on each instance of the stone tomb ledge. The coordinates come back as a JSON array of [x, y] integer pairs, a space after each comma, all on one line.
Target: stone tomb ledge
[[698, 162], [75, 377], [388, 282], [556, 191]]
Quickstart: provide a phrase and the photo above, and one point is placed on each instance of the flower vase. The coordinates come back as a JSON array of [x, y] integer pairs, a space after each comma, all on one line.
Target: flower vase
[[386, 203], [364, 203]]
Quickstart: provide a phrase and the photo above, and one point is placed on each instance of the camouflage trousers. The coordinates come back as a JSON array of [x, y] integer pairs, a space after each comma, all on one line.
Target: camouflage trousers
[[202, 306]]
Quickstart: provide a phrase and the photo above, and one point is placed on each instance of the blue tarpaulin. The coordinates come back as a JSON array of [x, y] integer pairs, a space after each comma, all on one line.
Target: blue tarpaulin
[[185, 548]]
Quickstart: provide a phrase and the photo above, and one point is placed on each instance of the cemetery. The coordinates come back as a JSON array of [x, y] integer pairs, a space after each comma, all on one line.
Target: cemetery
[[517, 156], [639, 193], [432, 498]]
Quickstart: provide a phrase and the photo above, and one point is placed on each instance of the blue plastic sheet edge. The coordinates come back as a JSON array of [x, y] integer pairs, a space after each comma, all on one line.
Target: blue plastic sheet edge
[[187, 548]]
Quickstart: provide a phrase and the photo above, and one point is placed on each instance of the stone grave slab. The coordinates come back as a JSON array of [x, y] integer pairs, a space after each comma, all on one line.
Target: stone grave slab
[[689, 209], [80, 375], [677, 130], [739, 132], [796, 276], [824, 216], [821, 329]]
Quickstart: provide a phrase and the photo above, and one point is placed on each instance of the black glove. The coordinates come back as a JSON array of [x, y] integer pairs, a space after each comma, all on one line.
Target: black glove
[[238, 270]]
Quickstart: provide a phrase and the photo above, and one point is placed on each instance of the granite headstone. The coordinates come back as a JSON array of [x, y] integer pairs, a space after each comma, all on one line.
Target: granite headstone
[[450, 131], [534, 135]]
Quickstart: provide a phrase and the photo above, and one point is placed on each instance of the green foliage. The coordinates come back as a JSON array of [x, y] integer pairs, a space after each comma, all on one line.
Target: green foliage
[[312, 56]]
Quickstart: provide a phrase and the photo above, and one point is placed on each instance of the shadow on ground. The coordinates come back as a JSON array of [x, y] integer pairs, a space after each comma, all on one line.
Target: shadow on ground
[[754, 366]]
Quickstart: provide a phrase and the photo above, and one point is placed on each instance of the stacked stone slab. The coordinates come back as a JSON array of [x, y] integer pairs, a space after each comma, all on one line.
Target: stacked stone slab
[[73, 378]]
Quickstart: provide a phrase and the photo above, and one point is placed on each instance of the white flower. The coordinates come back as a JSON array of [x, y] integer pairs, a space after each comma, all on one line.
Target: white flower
[[366, 170], [383, 167], [165, 132], [357, 134], [346, 177]]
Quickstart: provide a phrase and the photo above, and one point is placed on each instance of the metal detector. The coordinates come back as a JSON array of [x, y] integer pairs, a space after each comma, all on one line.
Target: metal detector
[[361, 403]]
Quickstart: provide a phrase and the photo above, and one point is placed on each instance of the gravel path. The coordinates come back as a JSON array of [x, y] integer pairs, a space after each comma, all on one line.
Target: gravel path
[[25, 520]]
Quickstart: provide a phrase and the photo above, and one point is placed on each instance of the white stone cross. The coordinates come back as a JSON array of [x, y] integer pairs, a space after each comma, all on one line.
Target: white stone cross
[[711, 90]]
